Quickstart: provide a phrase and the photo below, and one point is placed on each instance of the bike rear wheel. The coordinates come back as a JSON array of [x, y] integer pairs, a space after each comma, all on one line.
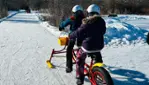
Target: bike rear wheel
[[101, 76]]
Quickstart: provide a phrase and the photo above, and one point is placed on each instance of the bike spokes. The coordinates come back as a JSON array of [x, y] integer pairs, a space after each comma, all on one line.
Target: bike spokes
[[99, 79]]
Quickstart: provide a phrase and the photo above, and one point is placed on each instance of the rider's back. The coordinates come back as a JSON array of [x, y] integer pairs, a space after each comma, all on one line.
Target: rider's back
[[74, 21], [95, 29]]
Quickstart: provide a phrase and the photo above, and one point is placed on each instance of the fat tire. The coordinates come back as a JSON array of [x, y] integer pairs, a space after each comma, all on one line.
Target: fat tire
[[105, 74]]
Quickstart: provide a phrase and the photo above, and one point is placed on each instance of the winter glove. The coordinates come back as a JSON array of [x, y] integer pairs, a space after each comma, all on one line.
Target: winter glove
[[61, 29]]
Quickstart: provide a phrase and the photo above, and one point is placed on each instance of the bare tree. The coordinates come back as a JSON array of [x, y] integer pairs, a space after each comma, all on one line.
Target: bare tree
[[58, 9], [3, 9]]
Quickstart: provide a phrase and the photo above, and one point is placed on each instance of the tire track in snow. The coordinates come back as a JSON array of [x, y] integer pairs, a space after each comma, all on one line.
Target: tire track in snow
[[20, 47], [66, 77], [7, 64], [12, 59], [56, 72]]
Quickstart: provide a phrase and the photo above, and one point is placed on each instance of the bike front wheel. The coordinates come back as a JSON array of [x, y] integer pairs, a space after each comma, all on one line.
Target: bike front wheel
[[101, 76]]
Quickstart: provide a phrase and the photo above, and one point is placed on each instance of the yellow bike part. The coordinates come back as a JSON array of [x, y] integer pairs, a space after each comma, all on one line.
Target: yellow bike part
[[62, 41], [49, 64], [98, 65]]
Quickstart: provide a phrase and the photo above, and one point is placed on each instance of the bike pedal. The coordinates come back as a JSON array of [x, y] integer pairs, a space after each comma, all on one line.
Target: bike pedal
[[85, 71], [86, 74], [73, 62]]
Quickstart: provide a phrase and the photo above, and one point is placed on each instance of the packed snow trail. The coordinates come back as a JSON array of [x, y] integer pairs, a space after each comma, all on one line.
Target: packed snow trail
[[25, 46]]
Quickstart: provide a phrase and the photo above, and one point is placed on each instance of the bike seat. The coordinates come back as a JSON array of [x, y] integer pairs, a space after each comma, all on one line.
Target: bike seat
[[92, 55], [90, 51]]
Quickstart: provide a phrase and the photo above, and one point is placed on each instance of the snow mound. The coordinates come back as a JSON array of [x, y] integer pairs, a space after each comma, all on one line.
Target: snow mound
[[132, 17], [121, 33], [11, 14], [52, 29], [118, 32]]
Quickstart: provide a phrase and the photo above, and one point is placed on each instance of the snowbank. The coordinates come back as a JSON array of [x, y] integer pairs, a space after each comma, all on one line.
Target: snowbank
[[118, 32], [11, 14], [132, 17], [52, 29]]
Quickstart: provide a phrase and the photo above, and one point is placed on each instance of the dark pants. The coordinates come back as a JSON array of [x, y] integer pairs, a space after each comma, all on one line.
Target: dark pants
[[81, 56], [69, 53], [147, 40]]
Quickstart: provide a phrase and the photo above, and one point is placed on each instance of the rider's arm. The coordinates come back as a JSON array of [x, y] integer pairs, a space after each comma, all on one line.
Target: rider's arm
[[103, 27], [80, 33], [65, 23]]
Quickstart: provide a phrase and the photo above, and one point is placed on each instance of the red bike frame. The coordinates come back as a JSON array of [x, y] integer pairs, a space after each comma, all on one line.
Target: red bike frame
[[88, 71], [87, 67]]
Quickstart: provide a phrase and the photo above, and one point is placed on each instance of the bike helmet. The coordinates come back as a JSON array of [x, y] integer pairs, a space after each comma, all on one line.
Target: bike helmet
[[93, 8], [77, 8]]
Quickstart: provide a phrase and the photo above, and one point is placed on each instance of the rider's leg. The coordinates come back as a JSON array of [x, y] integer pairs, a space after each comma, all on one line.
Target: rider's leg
[[81, 56], [147, 38], [69, 56], [98, 57]]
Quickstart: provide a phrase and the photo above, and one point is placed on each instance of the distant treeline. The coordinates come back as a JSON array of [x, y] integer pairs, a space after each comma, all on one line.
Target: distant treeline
[[3, 9], [6, 5], [58, 9]]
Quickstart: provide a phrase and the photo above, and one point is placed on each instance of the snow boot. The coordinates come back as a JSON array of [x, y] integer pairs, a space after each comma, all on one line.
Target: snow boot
[[80, 80], [68, 70]]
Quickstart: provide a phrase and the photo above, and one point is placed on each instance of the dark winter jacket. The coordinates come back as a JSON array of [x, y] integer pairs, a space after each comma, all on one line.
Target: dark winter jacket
[[147, 39], [91, 33], [74, 21]]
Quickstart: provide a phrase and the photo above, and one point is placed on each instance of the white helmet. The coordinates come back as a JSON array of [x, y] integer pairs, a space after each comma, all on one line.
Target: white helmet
[[77, 8], [93, 8]]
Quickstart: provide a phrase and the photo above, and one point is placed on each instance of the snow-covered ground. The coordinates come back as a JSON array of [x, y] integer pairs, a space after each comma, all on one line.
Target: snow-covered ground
[[10, 14], [137, 20], [119, 32], [26, 44]]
